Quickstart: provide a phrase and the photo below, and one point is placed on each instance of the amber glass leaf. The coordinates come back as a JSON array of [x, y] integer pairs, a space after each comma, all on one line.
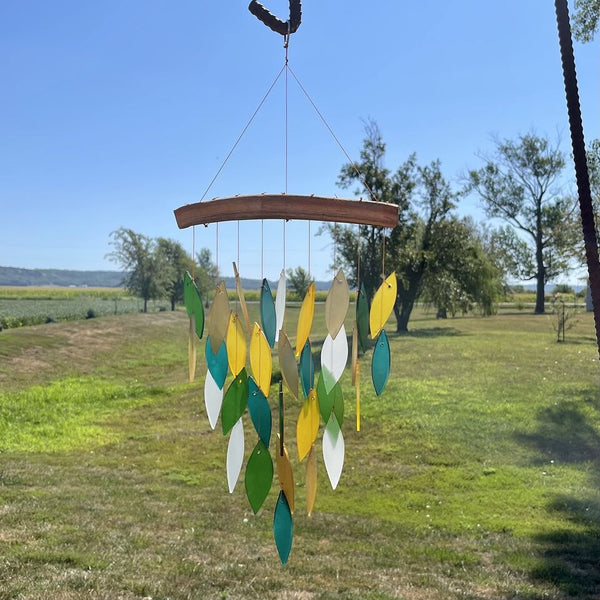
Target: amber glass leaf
[[311, 481], [236, 344], [307, 426], [216, 362], [260, 411], [336, 305], [362, 318], [381, 362], [284, 473], [307, 369], [383, 304], [242, 298], [268, 317], [354, 352], [287, 364], [305, 319], [235, 401], [218, 317], [261, 360], [283, 529], [259, 476]]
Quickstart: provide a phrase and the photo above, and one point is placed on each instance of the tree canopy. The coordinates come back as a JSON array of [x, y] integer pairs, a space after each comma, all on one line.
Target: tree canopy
[[585, 19]]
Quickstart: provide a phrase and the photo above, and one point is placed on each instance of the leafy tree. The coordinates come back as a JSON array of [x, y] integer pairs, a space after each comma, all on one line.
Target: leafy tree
[[146, 271], [178, 261], [585, 19], [518, 185], [207, 272], [299, 280]]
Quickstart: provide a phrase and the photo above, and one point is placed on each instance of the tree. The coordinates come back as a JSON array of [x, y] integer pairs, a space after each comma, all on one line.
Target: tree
[[207, 272], [585, 19], [178, 261], [146, 272], [518, 185], [300, 281]]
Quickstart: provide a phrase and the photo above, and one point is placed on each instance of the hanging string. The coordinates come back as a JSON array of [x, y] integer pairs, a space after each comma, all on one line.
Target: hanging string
[[262, 249], [354, 165], [217, 253], [358, 259], [286, 46], [383, 258], [194, 253], [243, 132]]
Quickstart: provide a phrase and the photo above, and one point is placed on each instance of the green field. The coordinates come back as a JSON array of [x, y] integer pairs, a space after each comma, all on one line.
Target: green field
[[475, 476]]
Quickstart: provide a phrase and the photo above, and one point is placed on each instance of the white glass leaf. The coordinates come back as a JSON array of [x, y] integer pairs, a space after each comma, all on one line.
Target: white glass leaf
[[213, 399], [235, 454], [334, 356], [333, 451]]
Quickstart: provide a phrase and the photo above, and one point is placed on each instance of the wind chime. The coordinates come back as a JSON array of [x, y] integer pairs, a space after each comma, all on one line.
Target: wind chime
[[232, 341]]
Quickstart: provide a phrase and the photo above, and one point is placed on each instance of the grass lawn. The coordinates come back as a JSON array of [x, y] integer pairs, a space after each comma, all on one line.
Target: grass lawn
[[476, 474]]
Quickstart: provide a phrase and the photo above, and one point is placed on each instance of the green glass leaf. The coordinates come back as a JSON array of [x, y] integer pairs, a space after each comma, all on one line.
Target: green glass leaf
[[187, 293], [330, 402], [267, 313], [259, 476], [283, 528], [307, 369], [235, 401], [217, 363], [362, 318], [381, 362], [193, 303], [260, 411]]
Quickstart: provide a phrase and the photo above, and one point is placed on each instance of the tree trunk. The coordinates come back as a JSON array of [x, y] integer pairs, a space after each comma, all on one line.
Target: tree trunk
[[172, 303], [540, 307], [442, 313], [145, 305]]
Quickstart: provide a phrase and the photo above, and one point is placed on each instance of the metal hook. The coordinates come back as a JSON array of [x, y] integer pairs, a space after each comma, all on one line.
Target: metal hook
[[273, 22]]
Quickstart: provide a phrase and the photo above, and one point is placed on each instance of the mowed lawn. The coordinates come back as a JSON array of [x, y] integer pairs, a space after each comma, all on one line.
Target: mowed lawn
[[475, 475]]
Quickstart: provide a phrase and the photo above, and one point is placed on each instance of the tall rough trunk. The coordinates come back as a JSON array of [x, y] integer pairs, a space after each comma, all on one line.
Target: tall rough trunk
[[540, 306], [145, 305], [406, 302]]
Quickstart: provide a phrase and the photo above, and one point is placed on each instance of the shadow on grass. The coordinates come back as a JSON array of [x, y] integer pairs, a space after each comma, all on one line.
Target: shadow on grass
[[432, 332], [570, 560]]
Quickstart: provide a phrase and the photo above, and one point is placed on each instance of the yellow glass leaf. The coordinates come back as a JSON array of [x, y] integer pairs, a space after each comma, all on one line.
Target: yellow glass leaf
[[307, 427], [260, 359], [357, 378], [305, 319], [383, 304], [217, 319], [354, 352], [287, 364], [240, 293], [336, 305], [311, 481], [236, 344], [284, 472]]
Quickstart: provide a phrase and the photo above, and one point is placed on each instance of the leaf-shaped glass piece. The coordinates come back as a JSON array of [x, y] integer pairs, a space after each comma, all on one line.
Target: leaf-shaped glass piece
[[261, 360], [311, 481], [334, 356], [188, 296], [236, 344], [381, 362], [213, 399], [280, 304], [305, 319], [259, 476], [235, 401], [193, 303], [287, 364], [329, 402], [218, 317], [267, 312], [362, 318], [383, 304], [260, 412], [283, 529], [354, 352], [333, 451], [357, 376], [216, 362], [336, 304], [235, 454], [192, 359], [285, 473], [307, 369], [240, 293], [307, 426]]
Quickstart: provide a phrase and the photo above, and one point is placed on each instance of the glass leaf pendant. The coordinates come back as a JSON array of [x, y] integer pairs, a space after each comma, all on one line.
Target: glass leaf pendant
[[307, 427], [259, 476], [336, 304], [362, 318], [383, 304], [283, 530], [217, 362], [305, 319], [260, 412], [260, 359], [268, 317], [235, 401], [235, 454], [218, 317], [280, 304], [381, 362], [236, 344]]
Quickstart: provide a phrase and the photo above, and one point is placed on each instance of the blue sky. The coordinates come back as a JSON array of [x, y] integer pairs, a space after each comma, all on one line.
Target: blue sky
[[115, 113]]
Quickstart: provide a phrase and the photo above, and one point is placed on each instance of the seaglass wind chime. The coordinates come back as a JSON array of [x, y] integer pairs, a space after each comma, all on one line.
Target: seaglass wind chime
[[230, 388]]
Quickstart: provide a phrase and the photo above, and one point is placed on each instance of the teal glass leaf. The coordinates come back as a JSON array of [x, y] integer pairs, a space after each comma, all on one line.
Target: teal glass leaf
[[381, 362], [217, 362], [330, 402], [307, 369], [259, 476], [268, 317], [283, 527], [193, 303], [235, 401], [260, 411], [362, 318]]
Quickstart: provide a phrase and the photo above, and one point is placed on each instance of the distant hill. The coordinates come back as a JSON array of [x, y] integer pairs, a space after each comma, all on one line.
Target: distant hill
[[59, 277], [65, 278]]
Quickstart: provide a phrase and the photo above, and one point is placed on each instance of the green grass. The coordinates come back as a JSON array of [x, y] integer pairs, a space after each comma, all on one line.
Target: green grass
[[475, 475]]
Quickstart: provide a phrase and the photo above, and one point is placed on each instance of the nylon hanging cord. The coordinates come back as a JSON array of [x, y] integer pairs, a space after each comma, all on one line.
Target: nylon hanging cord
[[194, 253]]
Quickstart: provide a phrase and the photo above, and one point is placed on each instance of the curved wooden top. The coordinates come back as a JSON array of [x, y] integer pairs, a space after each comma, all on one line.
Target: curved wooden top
[[285, 206]]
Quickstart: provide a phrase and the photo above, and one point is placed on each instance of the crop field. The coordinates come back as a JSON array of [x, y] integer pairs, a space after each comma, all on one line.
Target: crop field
[[476, 475]]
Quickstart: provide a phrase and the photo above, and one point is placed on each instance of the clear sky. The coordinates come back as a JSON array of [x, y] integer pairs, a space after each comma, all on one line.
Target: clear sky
[[115, 113]]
